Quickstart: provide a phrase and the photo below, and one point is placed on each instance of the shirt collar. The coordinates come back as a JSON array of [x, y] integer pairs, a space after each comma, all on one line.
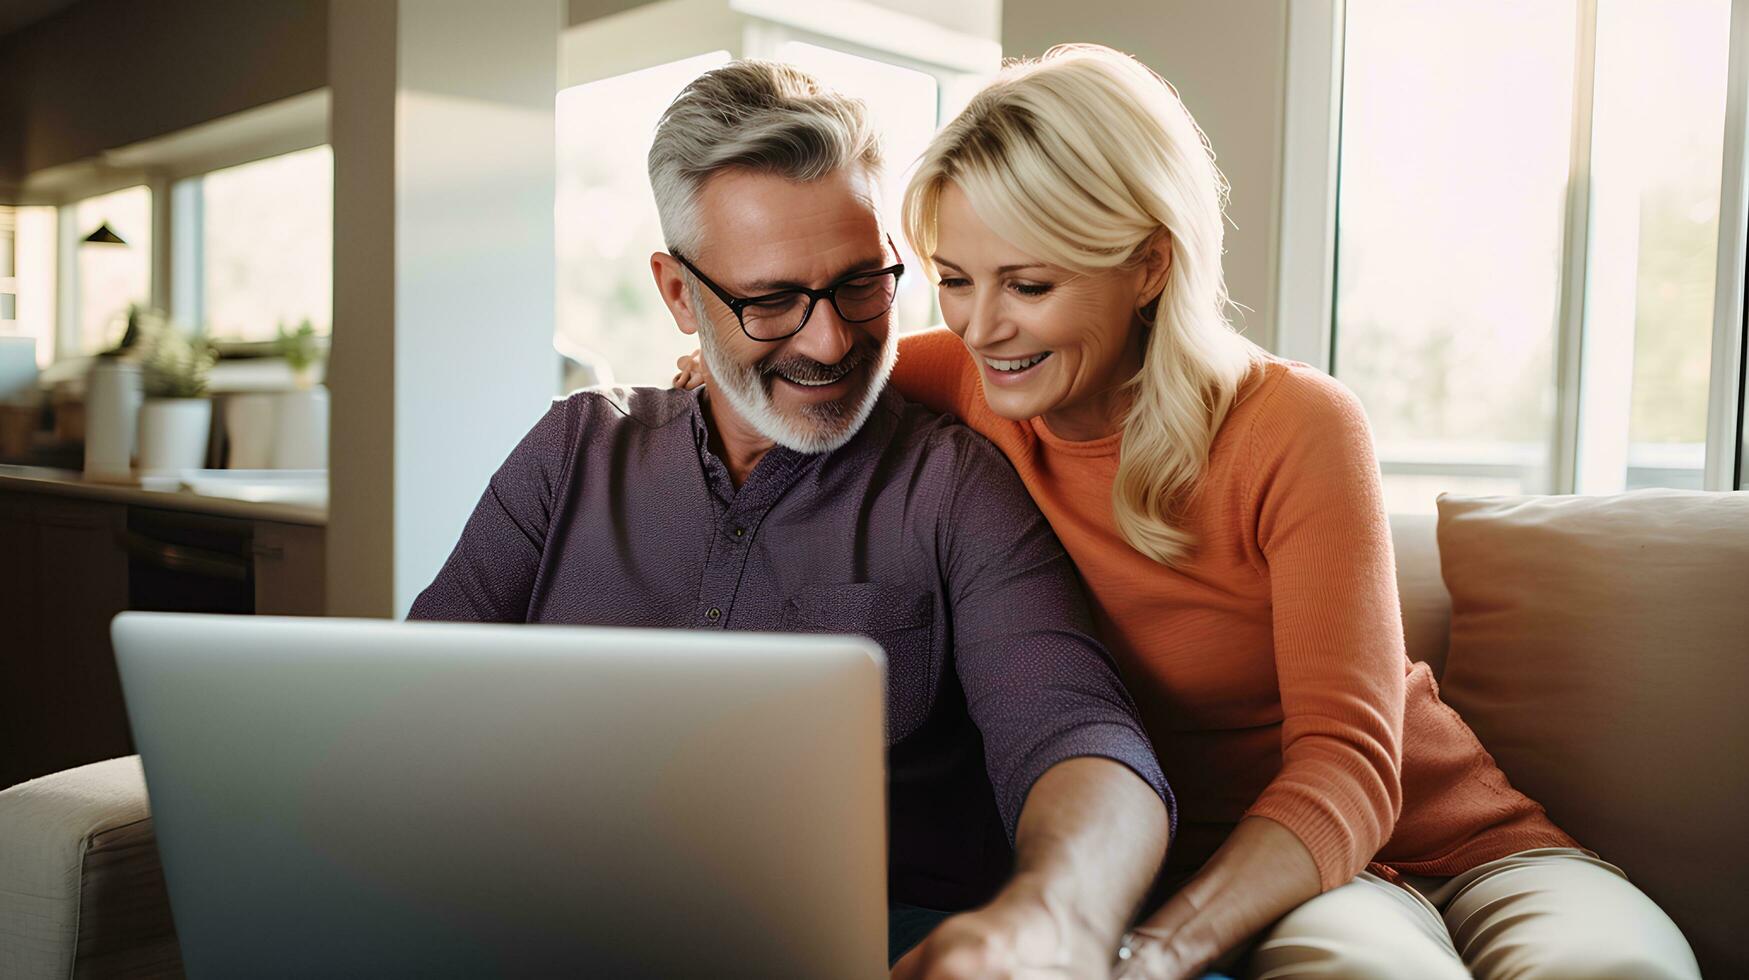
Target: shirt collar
[[889, 405]]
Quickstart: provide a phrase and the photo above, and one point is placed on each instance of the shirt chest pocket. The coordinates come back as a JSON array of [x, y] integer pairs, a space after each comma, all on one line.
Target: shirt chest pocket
[[901, 620]]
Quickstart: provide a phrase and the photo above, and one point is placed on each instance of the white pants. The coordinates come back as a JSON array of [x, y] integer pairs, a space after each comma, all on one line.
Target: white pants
[[1551, 912]]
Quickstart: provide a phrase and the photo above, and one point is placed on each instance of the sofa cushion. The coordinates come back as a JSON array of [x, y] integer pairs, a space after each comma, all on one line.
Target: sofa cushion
[[81, 890], [125, 928], [1600, 649], [1426, 605]]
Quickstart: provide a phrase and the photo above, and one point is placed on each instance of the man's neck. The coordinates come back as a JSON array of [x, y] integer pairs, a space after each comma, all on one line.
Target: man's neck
[[736, 443]]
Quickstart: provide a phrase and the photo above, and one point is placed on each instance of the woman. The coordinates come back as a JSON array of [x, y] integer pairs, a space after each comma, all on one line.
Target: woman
[[1224, 508]]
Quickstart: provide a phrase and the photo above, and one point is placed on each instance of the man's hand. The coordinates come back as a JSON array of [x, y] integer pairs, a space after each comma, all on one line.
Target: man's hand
[[1015, 936], [1091, 834]]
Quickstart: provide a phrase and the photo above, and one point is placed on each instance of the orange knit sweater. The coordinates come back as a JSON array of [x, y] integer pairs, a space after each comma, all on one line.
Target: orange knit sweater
[[1269, 669]]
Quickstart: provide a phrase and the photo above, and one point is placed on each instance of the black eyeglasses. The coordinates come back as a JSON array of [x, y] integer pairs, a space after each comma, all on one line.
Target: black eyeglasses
[[858, 298]]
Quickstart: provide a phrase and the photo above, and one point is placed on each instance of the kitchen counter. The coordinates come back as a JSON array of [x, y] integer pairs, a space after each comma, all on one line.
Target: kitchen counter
[[77, 552], [164, 494]]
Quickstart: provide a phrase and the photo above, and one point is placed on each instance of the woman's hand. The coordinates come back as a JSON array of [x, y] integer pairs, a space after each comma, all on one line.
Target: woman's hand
[[1147, 955], [1260, 873], [691, 372]]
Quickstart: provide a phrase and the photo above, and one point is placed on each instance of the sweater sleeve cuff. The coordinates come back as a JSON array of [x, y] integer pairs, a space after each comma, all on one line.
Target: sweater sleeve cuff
[[1333, 838]]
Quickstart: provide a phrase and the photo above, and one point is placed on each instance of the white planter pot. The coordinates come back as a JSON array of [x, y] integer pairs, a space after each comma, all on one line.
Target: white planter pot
[[112, 418], [173, 434], [300, 437], [250, 420]]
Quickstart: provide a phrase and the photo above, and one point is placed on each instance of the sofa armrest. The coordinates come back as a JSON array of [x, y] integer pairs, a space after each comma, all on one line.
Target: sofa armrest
[[81, 890]]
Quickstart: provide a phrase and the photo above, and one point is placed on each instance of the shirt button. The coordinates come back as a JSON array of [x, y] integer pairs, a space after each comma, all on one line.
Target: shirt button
[[740, 531], [713, 614]]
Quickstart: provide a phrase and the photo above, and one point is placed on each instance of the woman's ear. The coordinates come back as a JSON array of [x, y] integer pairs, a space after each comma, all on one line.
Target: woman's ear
[[1156, 264], [671, 283]]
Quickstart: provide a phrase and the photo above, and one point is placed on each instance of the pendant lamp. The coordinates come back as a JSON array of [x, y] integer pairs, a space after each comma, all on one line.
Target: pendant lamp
[[104, 235]]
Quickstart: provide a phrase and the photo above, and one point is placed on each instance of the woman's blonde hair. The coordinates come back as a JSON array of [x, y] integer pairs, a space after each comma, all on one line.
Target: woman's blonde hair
[[1085, 159]]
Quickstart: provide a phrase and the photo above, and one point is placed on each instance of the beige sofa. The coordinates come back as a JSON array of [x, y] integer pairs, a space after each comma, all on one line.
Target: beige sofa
[[80, 892]]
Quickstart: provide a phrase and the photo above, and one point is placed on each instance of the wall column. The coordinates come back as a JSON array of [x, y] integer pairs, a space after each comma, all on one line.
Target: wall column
[[443, 135]]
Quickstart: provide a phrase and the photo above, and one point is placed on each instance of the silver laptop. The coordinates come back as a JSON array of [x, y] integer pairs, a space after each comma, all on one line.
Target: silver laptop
[[360, 797]]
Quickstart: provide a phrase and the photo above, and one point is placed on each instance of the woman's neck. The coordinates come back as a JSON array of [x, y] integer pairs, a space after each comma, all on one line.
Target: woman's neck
[[1090, 418]]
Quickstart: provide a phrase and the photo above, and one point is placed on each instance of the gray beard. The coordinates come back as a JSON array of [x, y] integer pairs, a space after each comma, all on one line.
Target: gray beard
[[822, 428]]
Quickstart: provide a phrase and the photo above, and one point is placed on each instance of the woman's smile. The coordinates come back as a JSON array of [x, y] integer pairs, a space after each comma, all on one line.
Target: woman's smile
[[1049, 341], [1013, 370]]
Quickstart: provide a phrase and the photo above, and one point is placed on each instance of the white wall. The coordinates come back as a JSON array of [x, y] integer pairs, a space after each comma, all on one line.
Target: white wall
[[1227, 59], [442, 128]]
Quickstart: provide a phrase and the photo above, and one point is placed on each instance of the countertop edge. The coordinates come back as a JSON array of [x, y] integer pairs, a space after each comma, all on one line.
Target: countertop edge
[[69, 484]]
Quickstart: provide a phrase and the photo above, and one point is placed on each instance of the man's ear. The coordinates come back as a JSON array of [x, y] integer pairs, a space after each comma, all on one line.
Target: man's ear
[[670, 278]]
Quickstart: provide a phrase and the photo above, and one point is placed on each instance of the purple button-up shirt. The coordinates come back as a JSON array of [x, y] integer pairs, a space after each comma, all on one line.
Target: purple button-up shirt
[[613, 511]]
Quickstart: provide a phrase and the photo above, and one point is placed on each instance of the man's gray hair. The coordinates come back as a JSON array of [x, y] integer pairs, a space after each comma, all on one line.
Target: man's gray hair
[[753, 115]]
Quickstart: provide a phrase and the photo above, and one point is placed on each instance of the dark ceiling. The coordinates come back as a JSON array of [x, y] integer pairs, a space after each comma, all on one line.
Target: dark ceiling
[[15, 14]]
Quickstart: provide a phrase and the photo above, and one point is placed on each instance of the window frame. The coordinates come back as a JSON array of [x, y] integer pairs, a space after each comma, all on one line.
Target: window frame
[[1306, 262], [1310, 181], [1727, 405], [286, 126]]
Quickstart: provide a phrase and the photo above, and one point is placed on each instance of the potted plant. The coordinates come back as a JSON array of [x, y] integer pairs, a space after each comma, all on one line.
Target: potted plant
[[176, 416], [300, 351], [300, 434]]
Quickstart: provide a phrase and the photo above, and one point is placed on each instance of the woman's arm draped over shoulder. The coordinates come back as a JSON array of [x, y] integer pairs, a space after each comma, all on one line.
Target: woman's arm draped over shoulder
[[936, 370], [1324, 541]]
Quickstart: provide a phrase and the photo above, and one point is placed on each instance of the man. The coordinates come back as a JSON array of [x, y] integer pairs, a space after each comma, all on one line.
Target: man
[[797, 493]]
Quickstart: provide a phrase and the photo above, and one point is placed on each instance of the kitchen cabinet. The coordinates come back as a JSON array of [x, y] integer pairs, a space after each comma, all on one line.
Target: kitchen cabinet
[[68, 565]]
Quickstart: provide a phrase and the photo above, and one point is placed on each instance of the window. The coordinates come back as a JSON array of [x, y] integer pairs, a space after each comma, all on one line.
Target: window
[[109, 277], [1657, 142], [8, 272], [34, 264], [1526, 240], [229, 225], [254, 246], [610, 319], [904, 103]]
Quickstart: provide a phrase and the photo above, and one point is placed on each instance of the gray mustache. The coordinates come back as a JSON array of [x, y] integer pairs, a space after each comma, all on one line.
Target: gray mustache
[[808, 369]]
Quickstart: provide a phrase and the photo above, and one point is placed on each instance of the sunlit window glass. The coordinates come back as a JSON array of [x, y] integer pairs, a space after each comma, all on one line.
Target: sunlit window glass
[[35, 263], [267, 245], [111, 277], [1454, 159], [903, 103], [1657, 147], [610, 319]]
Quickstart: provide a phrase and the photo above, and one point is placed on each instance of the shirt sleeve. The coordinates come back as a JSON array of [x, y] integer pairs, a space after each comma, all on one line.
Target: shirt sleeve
[[491, 574], [1324, 537], [1039, 686]]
